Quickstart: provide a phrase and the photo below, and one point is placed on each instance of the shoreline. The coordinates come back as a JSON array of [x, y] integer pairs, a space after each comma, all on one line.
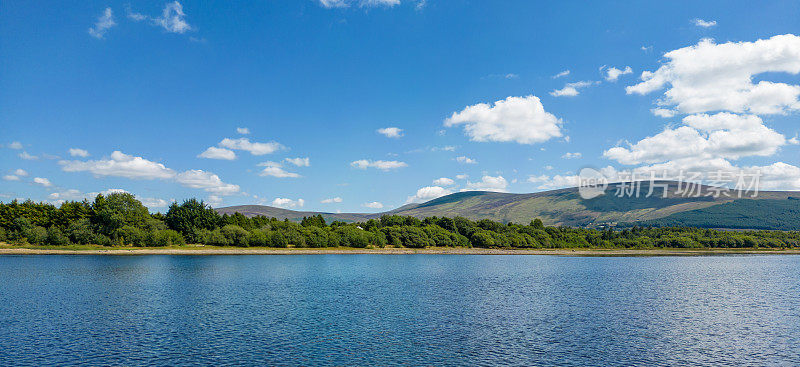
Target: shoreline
[[203, 250]]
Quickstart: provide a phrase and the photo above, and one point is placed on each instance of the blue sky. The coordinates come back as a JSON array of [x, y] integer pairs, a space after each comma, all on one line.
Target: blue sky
[[160, 83]]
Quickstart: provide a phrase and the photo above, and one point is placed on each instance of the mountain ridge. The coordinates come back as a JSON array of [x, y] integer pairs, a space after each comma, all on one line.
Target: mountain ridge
[[566, 207]]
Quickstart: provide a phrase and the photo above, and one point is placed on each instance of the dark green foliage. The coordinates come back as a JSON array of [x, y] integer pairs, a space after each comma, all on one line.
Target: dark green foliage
[[743, 213], [119, 219], [191, 217], [314, 221]]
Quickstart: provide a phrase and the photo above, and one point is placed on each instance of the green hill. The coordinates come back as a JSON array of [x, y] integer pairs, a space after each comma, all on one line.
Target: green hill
[[566, 207]]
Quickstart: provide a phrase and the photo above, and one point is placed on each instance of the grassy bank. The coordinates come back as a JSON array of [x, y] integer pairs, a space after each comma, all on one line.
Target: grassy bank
[[7, 249]]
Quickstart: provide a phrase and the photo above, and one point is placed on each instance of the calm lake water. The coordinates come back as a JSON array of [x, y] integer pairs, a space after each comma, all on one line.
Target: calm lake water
[[399, 309]]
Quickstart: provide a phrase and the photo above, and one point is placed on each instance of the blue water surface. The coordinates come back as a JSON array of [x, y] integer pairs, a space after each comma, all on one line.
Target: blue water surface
[[399, 310]]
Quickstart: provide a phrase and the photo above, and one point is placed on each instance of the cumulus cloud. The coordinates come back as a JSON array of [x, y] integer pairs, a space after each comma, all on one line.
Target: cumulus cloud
[[21, 172], [332, 200], [518, 119], [381, 165], [15, 145], [76, 152], [465, 160], [11, 178], [561, 74], [103, 24], [443, 181], [120, 165], [299, 162], [42, 181], [569, 155], [554, 182], [391, 132], [373, 205], [199, 179], [612, 73], [254, 148], [663, 112], [488, 183], [243, 130], [275, 169], [172, 18], [288, 203], [723, 135], [462, 177], [218, 153], [571, 89], [711, 77], [704, 23], [428, 193]]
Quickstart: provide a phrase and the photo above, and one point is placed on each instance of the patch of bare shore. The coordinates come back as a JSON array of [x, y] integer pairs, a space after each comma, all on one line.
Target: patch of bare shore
[[203, 250]]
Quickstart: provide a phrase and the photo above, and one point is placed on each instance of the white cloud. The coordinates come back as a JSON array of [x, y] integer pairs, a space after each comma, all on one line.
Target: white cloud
[[428, 193], [288, 203], [24, 155], [275, 169], [373, 205], [462, 177], [214, 200], [15, 145], [561, 74], [21, 172], [70, 194], [332, 200], [11, 178], [172, 18], [42, 181], [663, 112], [571, 89], [121, 165], [612, 73], [704, 137], [488, 183], [218, 153], [363, 3], [443, 181], [299, 162], [75, 152], [373, 3], [243, 130], [719, 77], [254, 148], [555, 182], [704, 23], [466, 160], [391, 132], [333, 4], [381, 165], [569, 155], [199, 179], [518, 119], [103, 24], [154, 202]]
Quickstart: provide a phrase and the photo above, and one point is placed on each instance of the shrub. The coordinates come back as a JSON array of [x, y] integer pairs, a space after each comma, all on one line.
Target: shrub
[[167, 237], [235, 235], [55, 237]]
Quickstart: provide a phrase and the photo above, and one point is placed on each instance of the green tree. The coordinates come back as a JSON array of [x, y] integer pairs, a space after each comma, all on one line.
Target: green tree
[[190, 217]]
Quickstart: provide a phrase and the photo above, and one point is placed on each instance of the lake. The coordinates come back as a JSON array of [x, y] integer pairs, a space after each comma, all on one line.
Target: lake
[[399, 309]]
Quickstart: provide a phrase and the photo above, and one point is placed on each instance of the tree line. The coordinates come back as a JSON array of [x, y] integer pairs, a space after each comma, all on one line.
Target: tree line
[[119, 219]]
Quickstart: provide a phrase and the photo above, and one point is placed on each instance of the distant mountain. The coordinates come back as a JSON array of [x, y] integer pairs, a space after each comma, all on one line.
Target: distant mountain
[[769, 210]]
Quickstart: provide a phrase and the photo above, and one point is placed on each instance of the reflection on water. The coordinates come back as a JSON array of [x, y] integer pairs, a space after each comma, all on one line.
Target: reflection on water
[[399, 309]]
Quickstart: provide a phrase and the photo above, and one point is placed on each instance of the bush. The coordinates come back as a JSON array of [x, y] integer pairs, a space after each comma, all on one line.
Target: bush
[[258, 237], [56, 238], [277, 239], [216, 238], [167, 237], [235, 235], [36, 235], [80, 232], [129, 235], [315, 236]]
